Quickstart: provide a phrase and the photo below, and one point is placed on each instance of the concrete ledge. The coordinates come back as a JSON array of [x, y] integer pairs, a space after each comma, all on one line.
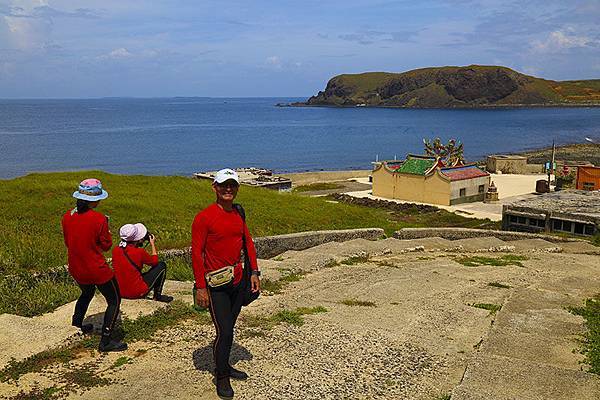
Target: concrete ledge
[[270, 246], [464, 233]]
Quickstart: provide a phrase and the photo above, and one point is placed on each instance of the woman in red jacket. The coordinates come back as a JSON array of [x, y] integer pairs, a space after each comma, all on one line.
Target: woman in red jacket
[[129, 259], [87, 236]]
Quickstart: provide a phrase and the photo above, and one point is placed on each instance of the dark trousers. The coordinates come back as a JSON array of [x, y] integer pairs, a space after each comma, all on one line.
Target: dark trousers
[[110, 291], [225, 305], [155, 278]]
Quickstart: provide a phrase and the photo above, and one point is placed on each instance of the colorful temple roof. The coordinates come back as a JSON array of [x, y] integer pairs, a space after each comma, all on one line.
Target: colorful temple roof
[[416, 165], [465, 172]]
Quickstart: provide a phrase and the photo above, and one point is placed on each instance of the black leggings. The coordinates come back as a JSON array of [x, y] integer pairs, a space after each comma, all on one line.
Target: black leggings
[[225, 305], [155, 278], [110, 291]]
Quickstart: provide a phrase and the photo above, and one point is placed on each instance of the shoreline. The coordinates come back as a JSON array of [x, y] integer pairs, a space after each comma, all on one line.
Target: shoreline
[[466, 107], [582, 151]]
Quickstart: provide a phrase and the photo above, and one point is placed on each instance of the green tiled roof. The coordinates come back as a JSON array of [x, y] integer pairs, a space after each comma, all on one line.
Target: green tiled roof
[[416, 166]]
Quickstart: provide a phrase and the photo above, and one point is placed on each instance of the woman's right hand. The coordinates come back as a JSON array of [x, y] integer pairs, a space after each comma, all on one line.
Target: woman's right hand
[[202, 297], [151, 239]]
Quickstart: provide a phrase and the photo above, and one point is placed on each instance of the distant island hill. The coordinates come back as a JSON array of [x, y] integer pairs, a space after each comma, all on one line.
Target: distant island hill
[[454, 87]]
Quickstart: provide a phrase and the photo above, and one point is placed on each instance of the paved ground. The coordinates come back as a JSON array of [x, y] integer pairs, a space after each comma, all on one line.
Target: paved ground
[[356, 183], [420, 339]]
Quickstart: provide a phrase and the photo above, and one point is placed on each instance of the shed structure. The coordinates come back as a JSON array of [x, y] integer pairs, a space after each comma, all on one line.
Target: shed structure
[[575, 212], [588, 178]]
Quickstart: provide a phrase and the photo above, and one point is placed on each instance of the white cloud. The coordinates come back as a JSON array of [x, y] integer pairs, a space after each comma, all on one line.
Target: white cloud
[[559, 41], [274, 61], [119, 53]]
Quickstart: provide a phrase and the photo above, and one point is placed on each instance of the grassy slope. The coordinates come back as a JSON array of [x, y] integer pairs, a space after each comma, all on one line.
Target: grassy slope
[[31, 240], [581, 91], [33, 206]]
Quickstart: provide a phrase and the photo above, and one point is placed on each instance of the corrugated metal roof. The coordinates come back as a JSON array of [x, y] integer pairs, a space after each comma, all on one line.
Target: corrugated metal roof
[[466, 172]]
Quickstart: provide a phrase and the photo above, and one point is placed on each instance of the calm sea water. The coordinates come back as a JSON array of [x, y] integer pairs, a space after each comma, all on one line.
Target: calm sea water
[[179, 136]]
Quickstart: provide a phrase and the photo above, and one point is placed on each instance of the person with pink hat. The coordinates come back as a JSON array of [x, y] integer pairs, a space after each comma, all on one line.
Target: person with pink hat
[[87, 236], [129, 259]]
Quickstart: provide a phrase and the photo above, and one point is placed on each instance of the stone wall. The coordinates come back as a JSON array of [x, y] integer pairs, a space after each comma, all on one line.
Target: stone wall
[[464, 233], [270, 246]]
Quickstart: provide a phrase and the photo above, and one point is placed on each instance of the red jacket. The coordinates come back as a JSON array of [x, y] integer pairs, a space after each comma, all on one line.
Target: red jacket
[[131, 283], [217, 242], [86, 237]]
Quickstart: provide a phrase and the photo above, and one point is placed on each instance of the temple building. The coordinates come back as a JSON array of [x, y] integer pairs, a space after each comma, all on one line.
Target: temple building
[[425, 179]]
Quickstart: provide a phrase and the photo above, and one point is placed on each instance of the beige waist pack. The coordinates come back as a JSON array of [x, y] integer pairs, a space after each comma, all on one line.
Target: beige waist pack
[[220, 277]]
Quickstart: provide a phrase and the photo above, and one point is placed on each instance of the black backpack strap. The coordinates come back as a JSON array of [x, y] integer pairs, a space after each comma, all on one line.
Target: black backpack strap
[[129, 258], [240, 210]]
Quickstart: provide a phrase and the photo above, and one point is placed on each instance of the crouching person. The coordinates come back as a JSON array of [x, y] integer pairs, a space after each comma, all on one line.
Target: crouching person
[[129, 260]]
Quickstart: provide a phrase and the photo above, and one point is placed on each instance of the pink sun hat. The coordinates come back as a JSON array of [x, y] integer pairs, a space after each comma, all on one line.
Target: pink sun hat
[[90, 190], [133, 232]]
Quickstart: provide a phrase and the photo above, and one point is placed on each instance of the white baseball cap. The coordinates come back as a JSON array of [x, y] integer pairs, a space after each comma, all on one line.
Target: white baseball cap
[[225, 175], [133, 232]]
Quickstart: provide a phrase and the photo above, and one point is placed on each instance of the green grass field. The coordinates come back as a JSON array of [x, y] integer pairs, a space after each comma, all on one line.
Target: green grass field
[[32, 247]]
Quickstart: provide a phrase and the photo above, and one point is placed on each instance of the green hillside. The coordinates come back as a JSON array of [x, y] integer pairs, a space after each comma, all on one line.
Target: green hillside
[[447, 87]]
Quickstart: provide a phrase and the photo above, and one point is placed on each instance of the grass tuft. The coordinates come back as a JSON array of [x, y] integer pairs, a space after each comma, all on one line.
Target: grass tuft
[[591, 343], [262, 323], [356, 259], [477, 261], [499, 285], [119, 362], [492, 308], [358, 303]]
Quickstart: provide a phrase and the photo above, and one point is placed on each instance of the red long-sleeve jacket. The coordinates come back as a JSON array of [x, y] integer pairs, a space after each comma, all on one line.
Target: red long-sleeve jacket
[[129, 277], [86, 237], [217, 242]]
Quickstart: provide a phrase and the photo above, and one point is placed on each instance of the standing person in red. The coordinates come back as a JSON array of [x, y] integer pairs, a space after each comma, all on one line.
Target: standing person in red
[[218, 235], [86, 236], [128, 260]]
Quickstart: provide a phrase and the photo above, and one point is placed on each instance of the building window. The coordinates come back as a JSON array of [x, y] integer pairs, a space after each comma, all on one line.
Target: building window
[[522, 220], [588, 185], [533, 221], [541, 223], [481, 188], [557, 225], [589, 230], [463, 192], [578, 228], [566, 226], [513, 219]]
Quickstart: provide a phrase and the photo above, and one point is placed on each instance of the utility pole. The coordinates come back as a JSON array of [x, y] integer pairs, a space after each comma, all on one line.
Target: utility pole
[[551, 169]]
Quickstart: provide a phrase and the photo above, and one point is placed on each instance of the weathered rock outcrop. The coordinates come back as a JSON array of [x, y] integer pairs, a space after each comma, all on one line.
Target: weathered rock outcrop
[[446, 87]]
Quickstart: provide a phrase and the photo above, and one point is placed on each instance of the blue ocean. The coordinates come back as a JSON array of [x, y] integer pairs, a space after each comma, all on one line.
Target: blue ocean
[[179, 136]]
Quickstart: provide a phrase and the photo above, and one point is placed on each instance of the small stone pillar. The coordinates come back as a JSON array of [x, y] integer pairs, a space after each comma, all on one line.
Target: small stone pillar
[[491, 196]]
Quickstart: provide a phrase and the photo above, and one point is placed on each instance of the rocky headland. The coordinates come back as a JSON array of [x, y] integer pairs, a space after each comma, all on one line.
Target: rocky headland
[[454, 87]]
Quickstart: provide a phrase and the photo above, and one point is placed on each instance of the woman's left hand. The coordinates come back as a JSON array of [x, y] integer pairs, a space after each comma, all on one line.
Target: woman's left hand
[[255, 282]]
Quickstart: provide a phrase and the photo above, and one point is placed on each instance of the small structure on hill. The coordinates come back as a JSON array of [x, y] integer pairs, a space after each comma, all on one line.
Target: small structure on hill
[[511, 164], [491, 196], [588, 178], [426, 179], [258, 177], [571, 211]]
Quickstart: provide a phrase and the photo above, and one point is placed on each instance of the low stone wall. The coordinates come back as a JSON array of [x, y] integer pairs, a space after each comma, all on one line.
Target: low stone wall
[[270, 246], [464, 233]]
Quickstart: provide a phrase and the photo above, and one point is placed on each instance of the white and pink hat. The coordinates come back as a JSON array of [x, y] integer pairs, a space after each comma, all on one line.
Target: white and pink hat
[[133, 232]]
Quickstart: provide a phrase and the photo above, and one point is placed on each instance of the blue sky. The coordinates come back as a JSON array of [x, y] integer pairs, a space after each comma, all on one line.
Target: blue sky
[[96, 48]]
